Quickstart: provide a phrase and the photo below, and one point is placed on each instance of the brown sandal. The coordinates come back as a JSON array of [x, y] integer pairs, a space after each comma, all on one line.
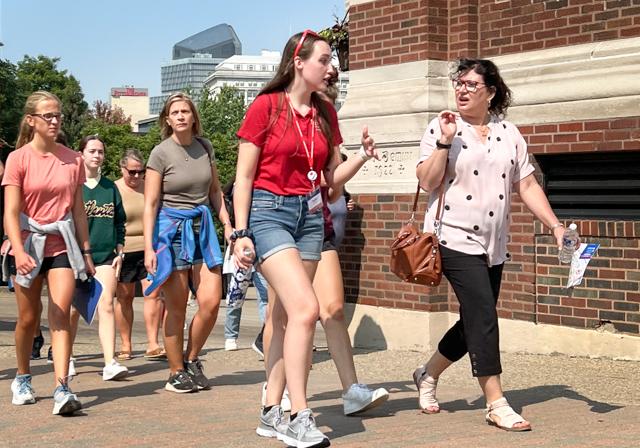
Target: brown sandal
[[158, 354], [124, 356]]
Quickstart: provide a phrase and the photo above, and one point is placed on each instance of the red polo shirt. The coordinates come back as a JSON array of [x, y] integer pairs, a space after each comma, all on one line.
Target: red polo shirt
[[283, 164]]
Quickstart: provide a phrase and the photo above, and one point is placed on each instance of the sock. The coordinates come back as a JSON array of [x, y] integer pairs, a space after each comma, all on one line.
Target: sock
[[293, 417], [266, 409]]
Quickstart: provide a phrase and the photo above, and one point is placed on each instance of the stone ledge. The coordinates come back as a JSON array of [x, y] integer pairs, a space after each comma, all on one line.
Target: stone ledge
[[396, 329]]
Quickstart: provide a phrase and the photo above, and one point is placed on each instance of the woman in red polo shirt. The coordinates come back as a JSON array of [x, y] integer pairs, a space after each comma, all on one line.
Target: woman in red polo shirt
[[288, 138]]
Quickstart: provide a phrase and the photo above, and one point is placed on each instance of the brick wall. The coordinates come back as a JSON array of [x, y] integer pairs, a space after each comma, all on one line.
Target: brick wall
[[610, 292], [386, 32]]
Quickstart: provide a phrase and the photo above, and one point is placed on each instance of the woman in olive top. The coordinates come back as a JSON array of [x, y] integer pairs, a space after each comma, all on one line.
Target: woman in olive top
[[131, 187], [106, 218]]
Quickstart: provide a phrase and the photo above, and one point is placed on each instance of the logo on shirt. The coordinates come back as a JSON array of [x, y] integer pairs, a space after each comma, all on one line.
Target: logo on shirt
[[94, 211]]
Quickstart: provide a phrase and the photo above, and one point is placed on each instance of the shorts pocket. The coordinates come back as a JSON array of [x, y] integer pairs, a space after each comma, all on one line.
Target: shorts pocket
[[263, 204]]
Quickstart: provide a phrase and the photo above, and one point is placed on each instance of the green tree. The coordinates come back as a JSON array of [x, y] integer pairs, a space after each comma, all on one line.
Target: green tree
[[42, 73], [118, 138], [11, 102], [221, 117]]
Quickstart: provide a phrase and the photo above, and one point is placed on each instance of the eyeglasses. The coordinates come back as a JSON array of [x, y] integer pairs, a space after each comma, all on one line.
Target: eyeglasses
[[304, 35], [471, 86], [135, 172], [49, 117]]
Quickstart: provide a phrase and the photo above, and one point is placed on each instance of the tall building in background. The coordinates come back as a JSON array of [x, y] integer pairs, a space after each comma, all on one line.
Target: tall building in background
[[194, 59], [134, 103], [249, 74]]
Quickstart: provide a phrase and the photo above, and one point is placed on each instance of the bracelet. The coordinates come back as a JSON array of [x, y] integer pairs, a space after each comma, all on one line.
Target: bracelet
[[555, 226], [442, 145], [363, 154], [86, 251]]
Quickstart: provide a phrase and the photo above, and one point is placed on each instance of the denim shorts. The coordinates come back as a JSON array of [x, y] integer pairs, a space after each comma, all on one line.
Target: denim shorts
[[284, 222], [176, 245]]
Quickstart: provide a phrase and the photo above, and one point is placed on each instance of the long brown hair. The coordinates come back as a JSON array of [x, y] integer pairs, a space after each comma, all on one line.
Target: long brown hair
[[285, 76], [26, 132], [167, 130]]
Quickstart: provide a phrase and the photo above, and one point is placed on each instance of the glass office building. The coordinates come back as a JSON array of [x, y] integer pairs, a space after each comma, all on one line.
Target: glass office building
[[194, 59]]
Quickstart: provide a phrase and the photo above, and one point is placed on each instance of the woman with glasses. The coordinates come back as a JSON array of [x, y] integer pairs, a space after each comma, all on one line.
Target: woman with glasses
[[47, 229], [131, 187], [289, 138], [180, 241], [106, 218], [479, 159]]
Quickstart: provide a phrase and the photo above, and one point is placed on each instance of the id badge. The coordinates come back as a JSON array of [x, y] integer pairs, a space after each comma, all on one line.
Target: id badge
[[314, 201]]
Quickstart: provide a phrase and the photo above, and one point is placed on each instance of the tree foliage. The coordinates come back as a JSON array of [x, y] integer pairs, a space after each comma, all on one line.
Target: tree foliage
[[118, 137], [42, 73], [221, 117], [108, 114], [11, 102]]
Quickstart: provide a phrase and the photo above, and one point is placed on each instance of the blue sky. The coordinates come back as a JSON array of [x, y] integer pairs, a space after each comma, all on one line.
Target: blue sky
[[115, 43]]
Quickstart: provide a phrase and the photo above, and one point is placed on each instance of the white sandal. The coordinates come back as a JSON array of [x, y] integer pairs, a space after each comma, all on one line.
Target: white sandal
[[426, 391], [507, 417]]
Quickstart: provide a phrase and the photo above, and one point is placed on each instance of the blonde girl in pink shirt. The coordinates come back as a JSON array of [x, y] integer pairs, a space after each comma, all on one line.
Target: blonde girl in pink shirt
[[43, 185]]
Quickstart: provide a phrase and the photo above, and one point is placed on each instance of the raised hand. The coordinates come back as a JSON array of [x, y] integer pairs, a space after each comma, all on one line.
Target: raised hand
[[448, 127]]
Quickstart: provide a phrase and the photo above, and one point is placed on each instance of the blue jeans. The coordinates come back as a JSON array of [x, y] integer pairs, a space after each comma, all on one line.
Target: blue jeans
[[284, 222], [232, 321]]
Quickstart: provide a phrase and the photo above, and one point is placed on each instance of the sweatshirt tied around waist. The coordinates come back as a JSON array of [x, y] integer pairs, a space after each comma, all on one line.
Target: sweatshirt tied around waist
[[34, 246]]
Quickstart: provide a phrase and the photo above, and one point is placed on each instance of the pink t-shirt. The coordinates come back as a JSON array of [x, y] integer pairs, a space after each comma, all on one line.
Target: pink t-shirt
[[478, 184], [49, 183]]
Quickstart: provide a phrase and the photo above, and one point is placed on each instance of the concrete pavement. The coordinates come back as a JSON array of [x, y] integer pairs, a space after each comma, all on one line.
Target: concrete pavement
[[571, 402]]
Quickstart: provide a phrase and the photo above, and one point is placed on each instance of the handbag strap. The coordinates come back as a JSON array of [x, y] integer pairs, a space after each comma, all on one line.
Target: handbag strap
[[436, 220]]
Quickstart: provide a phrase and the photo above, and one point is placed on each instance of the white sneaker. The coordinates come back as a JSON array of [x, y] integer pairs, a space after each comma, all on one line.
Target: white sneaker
[[360, 398], [23, 392], [114, 371], [72, 367], [230, 345], [285, 402]]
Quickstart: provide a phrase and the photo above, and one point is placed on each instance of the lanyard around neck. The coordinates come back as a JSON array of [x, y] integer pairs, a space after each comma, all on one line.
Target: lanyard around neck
[[312, 175]]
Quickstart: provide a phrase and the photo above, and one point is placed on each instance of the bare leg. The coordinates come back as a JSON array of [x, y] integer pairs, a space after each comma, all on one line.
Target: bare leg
[[106, 318], [437, 364], [124, 314], [330, 292], [29, 307], [290, 277], [61, 285], [176, 293], [208, 284], [153, 310]]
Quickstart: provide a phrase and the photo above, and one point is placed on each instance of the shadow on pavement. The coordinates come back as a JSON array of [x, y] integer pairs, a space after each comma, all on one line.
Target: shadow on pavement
[[332, 417], [242, 378]]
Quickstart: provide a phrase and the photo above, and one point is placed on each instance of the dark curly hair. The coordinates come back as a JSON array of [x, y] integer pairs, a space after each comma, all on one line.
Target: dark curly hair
[[492, 79]]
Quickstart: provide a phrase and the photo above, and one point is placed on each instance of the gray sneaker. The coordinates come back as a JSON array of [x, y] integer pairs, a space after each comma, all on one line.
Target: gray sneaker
[[303, 433], [271, 423], [65, 402]]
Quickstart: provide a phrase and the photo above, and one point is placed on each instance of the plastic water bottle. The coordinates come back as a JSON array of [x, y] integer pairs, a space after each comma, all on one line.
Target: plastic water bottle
[[569, 244], [239, 284]]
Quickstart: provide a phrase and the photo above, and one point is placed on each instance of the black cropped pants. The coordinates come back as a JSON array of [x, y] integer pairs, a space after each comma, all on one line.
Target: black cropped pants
[[477, 286]]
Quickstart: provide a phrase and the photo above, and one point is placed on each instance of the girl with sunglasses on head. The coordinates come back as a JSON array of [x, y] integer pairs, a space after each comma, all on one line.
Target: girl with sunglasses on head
[[180, 241], [328, 285], [47, 229], [106, 218], [131, 187], [289, 138]]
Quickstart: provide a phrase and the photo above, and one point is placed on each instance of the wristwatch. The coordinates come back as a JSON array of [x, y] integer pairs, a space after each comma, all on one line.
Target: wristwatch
[[442, 145], [244, 233]]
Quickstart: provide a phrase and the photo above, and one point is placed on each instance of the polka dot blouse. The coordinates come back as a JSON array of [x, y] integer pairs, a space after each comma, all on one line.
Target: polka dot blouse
[[478, 185]]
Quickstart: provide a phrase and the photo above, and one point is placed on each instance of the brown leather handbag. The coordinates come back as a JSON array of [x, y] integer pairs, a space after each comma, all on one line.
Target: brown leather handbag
[[415, 256]]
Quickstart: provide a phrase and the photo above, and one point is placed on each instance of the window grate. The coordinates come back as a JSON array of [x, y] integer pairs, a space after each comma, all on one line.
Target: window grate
[[604, 185]]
